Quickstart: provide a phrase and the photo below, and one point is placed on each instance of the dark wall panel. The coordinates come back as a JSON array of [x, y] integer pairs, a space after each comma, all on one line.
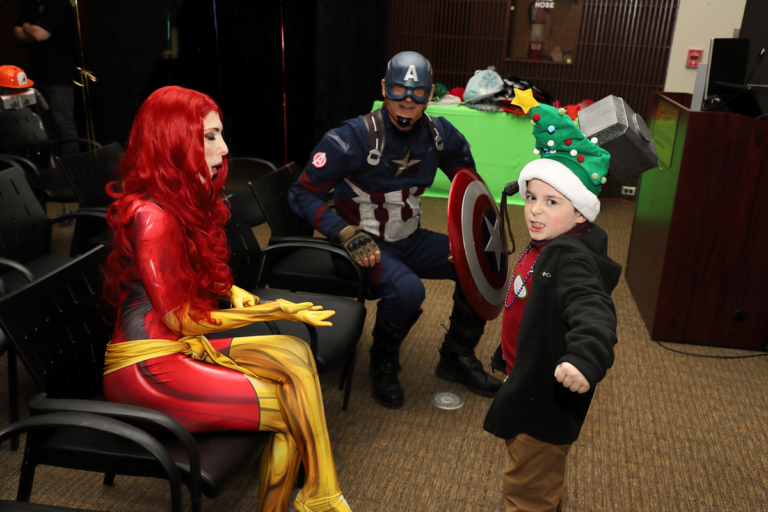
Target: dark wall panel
[[351, 58], [324, 75], [623, 46], [233, 50], [11, 51], [122, 42], [753, 27]]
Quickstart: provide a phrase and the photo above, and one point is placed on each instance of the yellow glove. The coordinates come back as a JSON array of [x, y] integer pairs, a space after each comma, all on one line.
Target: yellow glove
[[238, 317], [239, 298], [305, 312]]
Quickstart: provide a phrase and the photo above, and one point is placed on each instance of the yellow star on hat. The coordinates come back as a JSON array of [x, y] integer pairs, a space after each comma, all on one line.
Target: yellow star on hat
[[525, 100]]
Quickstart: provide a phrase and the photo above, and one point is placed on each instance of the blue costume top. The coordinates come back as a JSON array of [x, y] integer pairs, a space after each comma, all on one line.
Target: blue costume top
[[385, 200]]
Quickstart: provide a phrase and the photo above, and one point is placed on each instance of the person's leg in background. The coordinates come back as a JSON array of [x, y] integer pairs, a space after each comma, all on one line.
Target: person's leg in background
[[61, 123], [402, 293], [427, 255]]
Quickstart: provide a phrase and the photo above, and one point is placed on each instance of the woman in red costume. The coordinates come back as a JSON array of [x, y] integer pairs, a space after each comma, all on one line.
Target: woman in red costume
[[168, 271]]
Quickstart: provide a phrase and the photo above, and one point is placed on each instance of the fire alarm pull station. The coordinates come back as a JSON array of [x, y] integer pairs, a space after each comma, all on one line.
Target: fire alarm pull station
[[694, 56]]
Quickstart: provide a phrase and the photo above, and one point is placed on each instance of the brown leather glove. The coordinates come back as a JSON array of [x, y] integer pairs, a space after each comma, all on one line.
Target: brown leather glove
[[357, 243]]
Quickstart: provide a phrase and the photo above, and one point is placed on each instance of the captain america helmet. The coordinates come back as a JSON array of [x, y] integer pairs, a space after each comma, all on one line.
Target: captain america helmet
[[408, 74]]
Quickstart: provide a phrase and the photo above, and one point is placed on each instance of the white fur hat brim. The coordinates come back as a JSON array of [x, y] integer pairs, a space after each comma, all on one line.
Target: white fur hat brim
[[562, 179]]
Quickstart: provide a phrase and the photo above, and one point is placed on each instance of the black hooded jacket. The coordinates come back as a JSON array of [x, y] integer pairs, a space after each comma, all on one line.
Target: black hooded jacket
[[569, 317]]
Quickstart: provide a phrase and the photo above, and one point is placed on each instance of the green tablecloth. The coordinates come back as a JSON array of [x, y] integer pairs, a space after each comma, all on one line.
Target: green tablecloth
[[501, 145]]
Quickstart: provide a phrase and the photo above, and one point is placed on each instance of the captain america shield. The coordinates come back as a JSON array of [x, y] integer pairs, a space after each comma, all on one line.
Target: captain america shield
[[478, 245]]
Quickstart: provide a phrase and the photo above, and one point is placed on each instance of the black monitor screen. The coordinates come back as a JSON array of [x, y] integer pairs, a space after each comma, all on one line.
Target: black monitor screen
[[727, 65]]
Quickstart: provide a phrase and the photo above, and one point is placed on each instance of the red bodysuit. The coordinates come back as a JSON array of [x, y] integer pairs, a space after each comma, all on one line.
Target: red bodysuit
[[275, 390], [201, 396]]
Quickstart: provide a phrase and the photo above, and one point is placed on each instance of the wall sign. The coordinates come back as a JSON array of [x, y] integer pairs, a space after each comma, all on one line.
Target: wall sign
[[542, 30]]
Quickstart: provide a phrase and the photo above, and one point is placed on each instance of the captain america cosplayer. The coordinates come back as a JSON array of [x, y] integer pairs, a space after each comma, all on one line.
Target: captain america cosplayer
[[378, 174]]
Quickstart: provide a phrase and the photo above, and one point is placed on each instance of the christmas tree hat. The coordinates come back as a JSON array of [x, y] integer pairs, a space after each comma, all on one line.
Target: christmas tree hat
[[571, 164]]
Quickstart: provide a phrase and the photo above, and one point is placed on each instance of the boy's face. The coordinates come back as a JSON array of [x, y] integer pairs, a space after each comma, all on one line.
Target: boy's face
[[548, 213]]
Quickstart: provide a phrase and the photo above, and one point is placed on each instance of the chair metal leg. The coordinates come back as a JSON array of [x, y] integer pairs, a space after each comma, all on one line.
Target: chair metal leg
[[346, 379], [13, 392], [196, 506], [27, 472], [343, 379]]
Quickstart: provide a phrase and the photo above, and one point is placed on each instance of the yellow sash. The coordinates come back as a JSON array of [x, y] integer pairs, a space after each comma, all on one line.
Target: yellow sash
[[120, 355]]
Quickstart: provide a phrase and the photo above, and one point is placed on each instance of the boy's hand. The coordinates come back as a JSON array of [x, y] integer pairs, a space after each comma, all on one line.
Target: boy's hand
[[571, 378]]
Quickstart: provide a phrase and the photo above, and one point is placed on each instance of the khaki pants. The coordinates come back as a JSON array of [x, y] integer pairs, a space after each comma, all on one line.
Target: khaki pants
[[534, 476]]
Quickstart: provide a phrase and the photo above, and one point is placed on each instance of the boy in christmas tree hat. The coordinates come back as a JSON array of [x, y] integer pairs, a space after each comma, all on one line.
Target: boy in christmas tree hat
[[559, 322]]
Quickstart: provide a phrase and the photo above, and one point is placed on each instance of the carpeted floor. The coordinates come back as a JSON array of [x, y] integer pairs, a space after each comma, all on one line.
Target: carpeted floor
[[667, 431]]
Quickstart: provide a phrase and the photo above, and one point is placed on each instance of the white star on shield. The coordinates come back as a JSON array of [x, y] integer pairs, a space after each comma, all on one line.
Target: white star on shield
[[495, 244]]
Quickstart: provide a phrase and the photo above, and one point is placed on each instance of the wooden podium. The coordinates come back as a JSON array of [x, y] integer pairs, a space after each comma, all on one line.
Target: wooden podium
[[698, 255]]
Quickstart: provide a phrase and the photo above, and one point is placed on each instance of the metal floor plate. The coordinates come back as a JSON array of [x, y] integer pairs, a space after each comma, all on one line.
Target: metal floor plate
[[447, 400]]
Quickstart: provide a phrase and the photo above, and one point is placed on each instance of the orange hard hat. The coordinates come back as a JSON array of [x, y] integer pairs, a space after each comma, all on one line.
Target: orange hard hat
[[14, 77]]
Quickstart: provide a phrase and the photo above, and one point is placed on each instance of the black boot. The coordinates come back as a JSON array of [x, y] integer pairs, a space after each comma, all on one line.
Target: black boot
[[385, 361], [457, 354]]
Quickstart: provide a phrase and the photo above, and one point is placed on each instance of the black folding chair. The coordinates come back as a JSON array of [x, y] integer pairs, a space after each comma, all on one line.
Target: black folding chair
[[89, 173], [241, 171], [25, 241], [60, 327], [294, 258], [23, 135], [101, 425], [332, 347]]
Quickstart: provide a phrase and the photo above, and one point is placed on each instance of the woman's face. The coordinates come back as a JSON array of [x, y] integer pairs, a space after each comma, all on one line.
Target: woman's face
[[215, 147]]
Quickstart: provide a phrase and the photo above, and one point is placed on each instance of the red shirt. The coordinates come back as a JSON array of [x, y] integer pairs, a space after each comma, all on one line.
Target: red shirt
[[514, 303]]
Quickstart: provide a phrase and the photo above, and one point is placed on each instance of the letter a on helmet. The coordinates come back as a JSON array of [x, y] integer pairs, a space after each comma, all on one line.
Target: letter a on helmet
[[411, 74]]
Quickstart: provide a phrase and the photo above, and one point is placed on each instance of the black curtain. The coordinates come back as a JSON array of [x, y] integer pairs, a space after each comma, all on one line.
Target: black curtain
[[233, 50]]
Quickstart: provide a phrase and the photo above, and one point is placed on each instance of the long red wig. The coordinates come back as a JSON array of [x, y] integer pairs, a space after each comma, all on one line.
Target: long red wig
[[165, 163]]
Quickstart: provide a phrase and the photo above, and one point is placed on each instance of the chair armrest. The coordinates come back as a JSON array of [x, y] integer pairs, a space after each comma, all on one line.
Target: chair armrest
[[26, 165], [6, 262], [282, 244], [251, 159], [96, 212], [313, 242], [109, 425], [41, 404], [83, 140]]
